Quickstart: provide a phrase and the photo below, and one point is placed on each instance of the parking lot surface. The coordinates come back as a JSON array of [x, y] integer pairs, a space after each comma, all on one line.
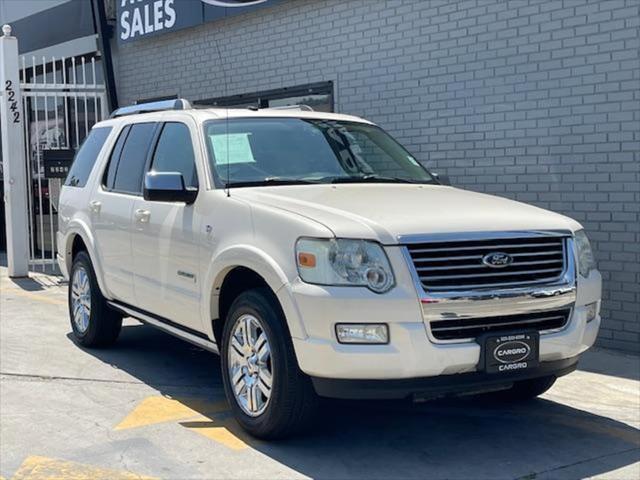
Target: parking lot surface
[[153, 407]]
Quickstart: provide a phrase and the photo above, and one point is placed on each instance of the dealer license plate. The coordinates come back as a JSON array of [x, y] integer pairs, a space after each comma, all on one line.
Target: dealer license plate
[[511, 353]]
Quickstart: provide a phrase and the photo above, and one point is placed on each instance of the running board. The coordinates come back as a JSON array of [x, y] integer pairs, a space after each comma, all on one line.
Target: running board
[[167, 326]]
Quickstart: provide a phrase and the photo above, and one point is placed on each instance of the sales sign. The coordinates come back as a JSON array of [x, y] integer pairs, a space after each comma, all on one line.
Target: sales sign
[[139, 19]]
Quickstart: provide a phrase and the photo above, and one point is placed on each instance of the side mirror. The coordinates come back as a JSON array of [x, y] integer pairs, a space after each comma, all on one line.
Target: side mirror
[[442, 179], [168, 187]]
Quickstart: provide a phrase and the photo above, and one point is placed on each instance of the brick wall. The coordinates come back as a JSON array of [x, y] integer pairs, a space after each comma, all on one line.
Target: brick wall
[[533, 100]]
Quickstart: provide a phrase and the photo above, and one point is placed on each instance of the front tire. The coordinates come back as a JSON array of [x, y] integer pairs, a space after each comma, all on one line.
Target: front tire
[[94, 324], [269, 395]]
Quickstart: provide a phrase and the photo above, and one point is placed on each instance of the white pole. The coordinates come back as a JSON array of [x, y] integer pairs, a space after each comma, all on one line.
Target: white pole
[[13, 156]]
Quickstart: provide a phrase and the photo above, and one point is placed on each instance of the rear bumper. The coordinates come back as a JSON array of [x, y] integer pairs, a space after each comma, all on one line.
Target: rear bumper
[[433, 387]]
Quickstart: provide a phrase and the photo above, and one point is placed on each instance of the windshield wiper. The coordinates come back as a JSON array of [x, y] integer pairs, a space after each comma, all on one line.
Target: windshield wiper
[[372, 179], [268, 182]]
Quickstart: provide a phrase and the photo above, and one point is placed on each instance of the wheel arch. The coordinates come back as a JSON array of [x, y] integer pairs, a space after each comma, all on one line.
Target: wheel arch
[[79, 238], [239, 269]]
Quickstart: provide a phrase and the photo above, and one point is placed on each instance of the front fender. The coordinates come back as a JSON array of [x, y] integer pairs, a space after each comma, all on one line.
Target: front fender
[[79, 227], [250, 257]]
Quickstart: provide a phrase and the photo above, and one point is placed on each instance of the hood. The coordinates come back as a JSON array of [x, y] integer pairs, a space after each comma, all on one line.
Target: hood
[[386, 211]]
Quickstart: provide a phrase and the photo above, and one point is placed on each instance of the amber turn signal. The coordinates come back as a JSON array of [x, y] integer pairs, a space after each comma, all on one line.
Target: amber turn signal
[[307, 260]]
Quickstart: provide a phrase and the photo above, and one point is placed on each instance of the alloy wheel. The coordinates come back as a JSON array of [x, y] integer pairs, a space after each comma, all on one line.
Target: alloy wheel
[[249, 365], [81, 299]]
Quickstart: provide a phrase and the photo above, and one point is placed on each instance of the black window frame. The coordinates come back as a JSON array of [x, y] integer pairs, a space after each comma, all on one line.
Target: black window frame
[[261, 99], [154, 148], [126, 130], [124, 133]]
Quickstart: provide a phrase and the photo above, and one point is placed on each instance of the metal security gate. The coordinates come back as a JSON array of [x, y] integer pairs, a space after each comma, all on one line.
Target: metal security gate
[[61, 100]]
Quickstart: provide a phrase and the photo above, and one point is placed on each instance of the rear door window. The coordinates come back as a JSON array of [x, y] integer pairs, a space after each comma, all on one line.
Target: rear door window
[[131, 166], [174, 153], [86, 157], [110, 175]]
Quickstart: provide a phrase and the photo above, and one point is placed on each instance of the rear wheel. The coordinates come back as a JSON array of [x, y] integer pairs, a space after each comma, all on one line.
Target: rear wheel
[[94, 324], [269, 395]]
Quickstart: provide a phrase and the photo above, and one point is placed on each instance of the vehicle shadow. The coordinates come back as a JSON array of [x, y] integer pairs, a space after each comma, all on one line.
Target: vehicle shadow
[[451, 438]]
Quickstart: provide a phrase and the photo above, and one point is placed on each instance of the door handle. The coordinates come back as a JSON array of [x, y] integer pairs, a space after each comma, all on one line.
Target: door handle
[[142, 215], [94, 206]]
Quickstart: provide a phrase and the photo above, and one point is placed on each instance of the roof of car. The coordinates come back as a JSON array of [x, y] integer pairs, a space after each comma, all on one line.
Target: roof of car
[[202, 114]]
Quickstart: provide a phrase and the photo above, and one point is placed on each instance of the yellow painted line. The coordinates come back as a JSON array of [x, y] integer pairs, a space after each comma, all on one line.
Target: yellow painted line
[[217, 433], [153, 410], [196, 415], [44, 468], [33, 296]]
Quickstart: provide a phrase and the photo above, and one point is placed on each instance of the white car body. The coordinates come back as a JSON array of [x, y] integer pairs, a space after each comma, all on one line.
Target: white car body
[[170, 260]]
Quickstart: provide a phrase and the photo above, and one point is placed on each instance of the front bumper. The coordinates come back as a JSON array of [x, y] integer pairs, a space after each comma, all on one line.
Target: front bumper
[[435, 387], [412, 353]]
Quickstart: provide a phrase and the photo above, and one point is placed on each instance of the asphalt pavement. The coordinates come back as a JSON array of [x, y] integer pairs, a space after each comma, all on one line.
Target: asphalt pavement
[[153, 407]]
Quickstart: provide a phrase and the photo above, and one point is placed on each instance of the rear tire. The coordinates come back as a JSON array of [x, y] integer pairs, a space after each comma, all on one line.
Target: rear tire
[[94, 324], [267, 357], [525, 389]]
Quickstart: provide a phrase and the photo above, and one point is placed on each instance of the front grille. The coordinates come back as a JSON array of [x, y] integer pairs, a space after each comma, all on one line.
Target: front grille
[[467, 328], [458, 265]]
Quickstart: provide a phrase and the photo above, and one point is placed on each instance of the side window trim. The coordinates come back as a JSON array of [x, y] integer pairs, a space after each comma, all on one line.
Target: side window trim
[[149, 153], [114, 156], [152, 150], [156, 141]]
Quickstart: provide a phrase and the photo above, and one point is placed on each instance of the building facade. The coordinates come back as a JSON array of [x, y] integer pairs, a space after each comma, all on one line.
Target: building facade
[[538, 101], [51, 52]]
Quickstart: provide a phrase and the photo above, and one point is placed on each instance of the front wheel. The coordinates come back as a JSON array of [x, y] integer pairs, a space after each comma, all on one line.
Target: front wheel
[[269, 395]]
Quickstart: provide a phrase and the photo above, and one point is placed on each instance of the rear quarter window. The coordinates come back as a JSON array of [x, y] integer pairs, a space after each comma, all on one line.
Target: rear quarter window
[[86, 157]]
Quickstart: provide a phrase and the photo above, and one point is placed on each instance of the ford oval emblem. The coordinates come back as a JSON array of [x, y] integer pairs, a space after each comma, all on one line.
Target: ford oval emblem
[[511, 352], [497, 260]]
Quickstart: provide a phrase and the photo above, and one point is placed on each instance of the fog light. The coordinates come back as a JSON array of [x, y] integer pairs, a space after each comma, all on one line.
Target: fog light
[[592, 311], [377, 333]]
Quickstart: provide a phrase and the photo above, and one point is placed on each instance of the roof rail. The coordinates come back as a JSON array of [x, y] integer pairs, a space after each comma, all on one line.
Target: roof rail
[[179, 104], [304, 108]]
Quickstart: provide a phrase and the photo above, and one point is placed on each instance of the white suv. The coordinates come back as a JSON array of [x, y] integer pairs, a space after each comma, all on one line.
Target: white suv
[[320, 259]]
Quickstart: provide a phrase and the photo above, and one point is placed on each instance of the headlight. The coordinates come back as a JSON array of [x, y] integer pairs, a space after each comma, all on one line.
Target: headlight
[[344, 262], [586, 261]]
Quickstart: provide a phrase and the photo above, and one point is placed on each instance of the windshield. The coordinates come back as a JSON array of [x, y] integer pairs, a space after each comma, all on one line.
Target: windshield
[[286, 151]]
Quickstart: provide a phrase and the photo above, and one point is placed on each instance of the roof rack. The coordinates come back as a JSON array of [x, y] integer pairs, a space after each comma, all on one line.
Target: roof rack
[[304, 108], [179, 104]]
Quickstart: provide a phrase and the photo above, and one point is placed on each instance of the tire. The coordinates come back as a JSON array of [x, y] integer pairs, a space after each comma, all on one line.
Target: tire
[[292, 401], [525, 390], [101, 327]]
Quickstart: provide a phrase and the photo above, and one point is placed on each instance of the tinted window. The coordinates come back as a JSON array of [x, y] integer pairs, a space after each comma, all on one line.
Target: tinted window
[[174, 153], [86, 157], [133, 158], [110, 175]]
